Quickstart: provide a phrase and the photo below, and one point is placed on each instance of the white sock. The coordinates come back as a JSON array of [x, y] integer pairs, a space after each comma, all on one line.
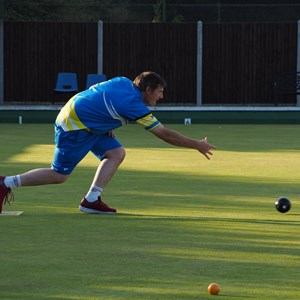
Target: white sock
[[93, 193], [12, 181]]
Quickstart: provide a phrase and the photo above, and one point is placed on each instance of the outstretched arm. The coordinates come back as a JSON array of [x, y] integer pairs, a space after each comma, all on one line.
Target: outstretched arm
[[175, 138]]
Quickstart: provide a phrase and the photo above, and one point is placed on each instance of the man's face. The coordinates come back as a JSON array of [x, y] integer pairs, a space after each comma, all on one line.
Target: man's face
[[151, 96]]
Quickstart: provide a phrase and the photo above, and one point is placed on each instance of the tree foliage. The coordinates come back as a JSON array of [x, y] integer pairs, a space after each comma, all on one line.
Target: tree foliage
[[78, 10]]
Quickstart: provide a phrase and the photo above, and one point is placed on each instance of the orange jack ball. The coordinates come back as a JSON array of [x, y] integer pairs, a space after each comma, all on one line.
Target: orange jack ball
[[214, 289]]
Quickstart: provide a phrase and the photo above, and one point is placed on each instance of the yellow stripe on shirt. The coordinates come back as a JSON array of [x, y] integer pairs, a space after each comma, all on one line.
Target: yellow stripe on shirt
[[68, 118], [149, 122]]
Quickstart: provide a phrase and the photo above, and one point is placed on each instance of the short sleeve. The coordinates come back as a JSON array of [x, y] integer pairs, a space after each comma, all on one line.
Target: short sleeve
[[149, 122]]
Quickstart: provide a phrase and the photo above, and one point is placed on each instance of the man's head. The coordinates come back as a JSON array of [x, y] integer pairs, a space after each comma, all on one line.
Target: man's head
[[151, 85]]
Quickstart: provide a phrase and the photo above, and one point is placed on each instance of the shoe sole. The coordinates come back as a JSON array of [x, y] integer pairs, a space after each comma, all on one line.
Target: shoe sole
[[94, 211]]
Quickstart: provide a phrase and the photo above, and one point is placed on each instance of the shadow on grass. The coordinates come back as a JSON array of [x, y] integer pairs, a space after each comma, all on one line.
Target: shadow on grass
[[205, 219], [234, 194]]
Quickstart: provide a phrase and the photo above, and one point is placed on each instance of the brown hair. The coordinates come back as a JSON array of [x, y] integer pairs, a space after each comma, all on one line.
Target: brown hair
[[149, 79]]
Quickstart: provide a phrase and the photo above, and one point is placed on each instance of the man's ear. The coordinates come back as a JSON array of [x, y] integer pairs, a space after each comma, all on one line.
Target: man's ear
[[148, 89]]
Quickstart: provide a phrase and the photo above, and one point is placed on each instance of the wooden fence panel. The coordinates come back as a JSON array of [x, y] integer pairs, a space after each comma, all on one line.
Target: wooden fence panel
[[168, 49], [34, 52], [240, 61]]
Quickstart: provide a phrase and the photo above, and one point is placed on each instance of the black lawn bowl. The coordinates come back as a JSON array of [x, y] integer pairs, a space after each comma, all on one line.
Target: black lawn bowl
[[283, 205]]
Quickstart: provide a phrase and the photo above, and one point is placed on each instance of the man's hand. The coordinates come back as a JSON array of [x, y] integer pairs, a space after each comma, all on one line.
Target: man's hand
[[205, 148], [111, 133]]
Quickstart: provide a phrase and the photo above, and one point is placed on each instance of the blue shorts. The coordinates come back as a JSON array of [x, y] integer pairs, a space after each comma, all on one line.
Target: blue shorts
[[72, 146]]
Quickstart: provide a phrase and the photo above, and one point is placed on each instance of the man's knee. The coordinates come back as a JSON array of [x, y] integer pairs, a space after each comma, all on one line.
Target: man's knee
[[120, 154], [59, 178], [117, 154]]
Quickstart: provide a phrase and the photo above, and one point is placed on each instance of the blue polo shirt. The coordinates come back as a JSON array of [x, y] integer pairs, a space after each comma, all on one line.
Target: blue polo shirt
[[105, 107]]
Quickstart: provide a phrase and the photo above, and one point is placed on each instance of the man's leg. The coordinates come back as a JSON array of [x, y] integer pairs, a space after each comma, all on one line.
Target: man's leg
[[108, 166], [30, 178], [92, 203], [70, 149], [41, 177]]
